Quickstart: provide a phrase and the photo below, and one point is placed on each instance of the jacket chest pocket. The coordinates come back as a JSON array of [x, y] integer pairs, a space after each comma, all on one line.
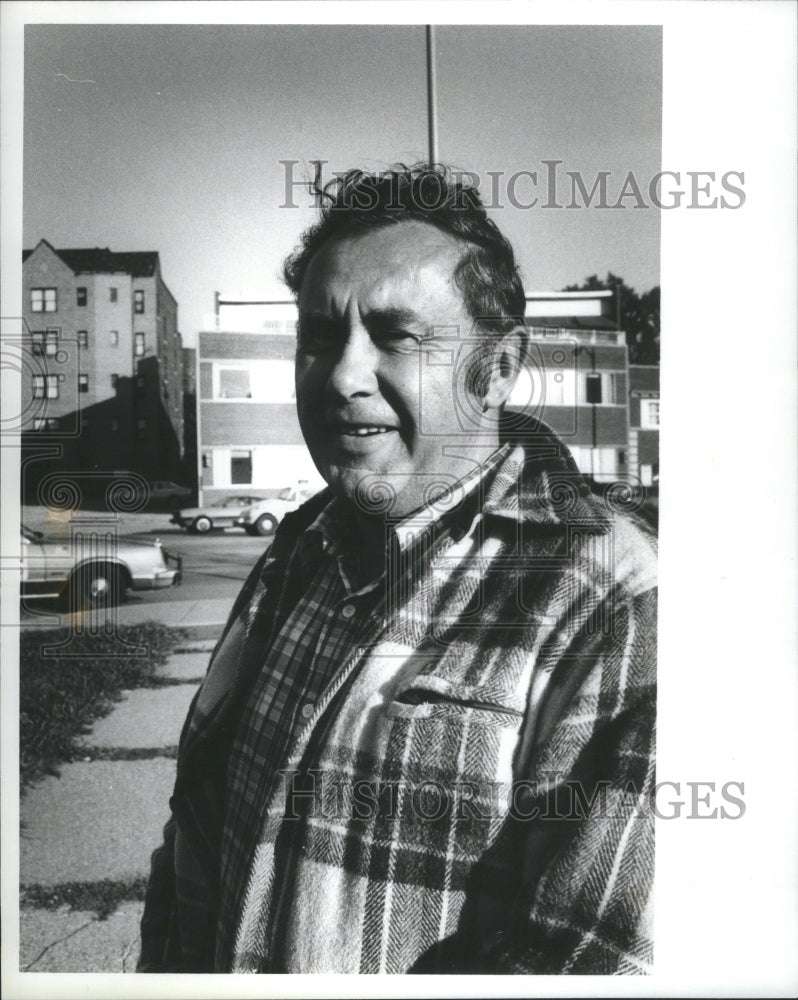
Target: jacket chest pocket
[[434, 697], [452, 734]]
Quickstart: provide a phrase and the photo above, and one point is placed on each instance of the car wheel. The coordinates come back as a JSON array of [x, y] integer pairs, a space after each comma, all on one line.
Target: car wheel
[[202, 524], [97, 586], [266, 524]]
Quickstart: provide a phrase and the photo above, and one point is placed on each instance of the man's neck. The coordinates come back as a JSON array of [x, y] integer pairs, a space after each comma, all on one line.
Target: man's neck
[[372, 548]]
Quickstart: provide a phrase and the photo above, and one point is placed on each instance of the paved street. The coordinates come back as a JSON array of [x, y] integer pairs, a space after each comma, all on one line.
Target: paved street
[[214, 565]]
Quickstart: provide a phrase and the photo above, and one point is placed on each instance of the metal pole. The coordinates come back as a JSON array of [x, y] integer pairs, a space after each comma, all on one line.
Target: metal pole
[[593, 420], [432, 113]]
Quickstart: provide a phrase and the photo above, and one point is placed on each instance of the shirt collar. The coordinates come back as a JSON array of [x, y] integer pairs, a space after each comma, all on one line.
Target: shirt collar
[[335, 531]]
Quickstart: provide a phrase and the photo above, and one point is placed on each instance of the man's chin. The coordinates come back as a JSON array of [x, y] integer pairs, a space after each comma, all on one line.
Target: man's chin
[[370, 491]]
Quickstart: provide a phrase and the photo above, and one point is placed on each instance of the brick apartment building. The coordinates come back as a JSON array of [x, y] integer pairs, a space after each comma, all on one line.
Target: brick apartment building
[[106, 385]]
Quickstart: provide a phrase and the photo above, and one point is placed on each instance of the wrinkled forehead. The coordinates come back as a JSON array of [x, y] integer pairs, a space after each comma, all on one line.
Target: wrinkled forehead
[[390, 265]]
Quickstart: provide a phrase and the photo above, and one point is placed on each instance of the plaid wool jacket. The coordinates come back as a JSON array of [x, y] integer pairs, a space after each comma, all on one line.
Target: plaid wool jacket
[[473, 791]]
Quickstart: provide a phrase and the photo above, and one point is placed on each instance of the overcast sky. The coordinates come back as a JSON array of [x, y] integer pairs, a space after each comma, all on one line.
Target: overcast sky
[[170, 138]]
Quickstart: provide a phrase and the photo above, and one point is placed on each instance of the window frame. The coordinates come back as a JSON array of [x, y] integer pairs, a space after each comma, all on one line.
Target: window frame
[[81, 296], [139, 345], [83, 338], [83, 381], [649, 413], [241, 454], [138, 301], [43, 290], [52, 336]]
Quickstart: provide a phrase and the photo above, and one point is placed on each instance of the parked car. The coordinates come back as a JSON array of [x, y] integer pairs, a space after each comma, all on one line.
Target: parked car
[[93, 570], [264, 516], [220, 514], [165, 491]]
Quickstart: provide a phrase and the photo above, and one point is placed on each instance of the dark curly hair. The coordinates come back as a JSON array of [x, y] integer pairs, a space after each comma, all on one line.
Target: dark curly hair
[[355, 201]]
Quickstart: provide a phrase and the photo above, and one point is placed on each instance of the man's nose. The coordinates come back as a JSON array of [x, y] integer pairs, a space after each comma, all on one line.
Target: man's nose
[[354, 370]]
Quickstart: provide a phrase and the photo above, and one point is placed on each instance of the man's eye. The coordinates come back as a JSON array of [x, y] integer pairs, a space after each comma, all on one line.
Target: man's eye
[[316, 339], [403, 337]]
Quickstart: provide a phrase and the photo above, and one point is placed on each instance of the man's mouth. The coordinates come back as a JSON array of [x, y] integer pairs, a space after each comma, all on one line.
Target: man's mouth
[[359, 430]]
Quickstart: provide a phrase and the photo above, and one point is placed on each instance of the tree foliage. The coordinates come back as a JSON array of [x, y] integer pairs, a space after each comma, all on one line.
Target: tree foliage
[[639, 316]]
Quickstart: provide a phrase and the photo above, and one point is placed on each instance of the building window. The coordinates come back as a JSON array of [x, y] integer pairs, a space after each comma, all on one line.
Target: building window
[[649, 413], [140, 385], [82, 296], [616, 389], [51, 341], [234, 383], [114, 380], [37, 341], [139, 349], [45, 386], [141, 428], [241, 468], [83, 382], [112, 294], [45, 424], [114, 338], [206, 460], [593, 393], [83, 338], [138, 301], [43, 300]]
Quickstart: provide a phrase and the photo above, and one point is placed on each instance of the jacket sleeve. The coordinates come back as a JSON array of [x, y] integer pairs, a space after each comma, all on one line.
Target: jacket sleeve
[[161, 949], [160, 941], [586, 830]]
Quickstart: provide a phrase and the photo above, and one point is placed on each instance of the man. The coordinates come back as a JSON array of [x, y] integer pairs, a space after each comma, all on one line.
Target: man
[[425, 740]]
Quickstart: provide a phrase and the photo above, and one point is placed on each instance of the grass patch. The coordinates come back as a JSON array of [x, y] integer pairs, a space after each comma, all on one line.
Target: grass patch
[[68, 679], [102, 898]]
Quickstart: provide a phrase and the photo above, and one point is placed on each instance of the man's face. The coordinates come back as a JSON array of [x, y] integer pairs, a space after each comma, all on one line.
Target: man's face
[[374, 311]]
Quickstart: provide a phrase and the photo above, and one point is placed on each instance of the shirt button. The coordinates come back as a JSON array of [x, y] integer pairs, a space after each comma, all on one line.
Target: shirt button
[[348, 610], [307, 710]]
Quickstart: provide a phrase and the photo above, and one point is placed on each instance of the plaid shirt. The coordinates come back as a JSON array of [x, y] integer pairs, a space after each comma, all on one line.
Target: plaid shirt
[[469, 789], [334, 618]]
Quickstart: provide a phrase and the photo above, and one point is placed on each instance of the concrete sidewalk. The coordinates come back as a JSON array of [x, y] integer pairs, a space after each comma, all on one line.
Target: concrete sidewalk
[[89, 833]]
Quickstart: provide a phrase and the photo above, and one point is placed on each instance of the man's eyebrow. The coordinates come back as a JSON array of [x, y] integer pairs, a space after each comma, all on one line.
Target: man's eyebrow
[[392, 317]]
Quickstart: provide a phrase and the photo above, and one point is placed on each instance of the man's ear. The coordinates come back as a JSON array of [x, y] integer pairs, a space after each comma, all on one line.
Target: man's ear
[[505, 367]]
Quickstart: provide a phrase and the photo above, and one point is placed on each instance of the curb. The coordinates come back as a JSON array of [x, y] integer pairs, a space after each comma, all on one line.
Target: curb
[[202, 632]]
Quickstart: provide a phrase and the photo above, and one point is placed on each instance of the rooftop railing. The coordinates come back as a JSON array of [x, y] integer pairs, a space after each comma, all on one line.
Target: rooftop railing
[[613, 337]]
